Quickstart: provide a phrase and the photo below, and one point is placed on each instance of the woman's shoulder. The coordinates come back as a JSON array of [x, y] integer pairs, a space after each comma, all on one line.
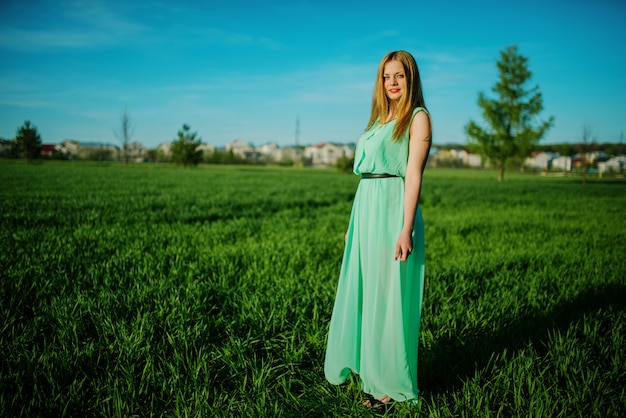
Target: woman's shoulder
[[420, 109], [420, 115], [421, 123]]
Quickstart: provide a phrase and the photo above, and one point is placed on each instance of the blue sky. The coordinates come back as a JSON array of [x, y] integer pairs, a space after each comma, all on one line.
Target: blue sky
[[248, 69]]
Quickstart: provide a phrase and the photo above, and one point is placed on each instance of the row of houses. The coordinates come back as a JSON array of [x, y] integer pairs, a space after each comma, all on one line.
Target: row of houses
[[94, 150], [544, 161], [327, 154], [321, 154], [604, 163]]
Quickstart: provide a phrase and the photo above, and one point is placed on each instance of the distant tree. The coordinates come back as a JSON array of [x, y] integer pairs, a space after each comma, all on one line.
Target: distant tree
[[614, 149], [185, 149], [564, 149], [510, 135], [152, 155], [125, 134], [345, 164], [571, 149], [223, 157], [585, 158], [28, 141], [101, 154], [8, 148]]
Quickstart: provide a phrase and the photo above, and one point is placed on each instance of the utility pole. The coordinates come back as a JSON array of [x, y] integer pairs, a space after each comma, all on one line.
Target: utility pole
[[297, 131]]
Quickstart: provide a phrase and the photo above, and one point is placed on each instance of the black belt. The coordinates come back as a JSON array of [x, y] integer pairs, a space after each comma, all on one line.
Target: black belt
[[376, 176]]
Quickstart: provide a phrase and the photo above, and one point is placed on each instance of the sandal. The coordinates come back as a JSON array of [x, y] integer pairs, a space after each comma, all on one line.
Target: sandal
[[377, 404]]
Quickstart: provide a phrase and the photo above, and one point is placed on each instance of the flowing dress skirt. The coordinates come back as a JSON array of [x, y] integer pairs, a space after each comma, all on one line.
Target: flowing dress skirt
[[374, 328]]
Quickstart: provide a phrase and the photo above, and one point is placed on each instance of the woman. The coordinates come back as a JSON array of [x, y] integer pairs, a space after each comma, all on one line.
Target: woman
[[374, 329]]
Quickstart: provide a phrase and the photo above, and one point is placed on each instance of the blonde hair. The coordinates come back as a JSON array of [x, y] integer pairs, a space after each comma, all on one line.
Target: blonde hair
[[409, 101]]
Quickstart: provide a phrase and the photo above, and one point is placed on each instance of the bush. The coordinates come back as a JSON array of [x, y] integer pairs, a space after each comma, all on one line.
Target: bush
[[345, 164]]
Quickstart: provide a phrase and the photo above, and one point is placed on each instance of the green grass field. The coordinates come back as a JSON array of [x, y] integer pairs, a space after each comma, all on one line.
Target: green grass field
[[159, 291]]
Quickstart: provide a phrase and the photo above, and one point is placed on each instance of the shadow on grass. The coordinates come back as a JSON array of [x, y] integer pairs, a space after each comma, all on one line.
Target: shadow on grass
[[452, 360]]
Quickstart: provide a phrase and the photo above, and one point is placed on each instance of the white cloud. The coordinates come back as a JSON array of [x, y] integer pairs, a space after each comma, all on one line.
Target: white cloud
[[23, 39], [70, 25], [99, 14], [229, 38]]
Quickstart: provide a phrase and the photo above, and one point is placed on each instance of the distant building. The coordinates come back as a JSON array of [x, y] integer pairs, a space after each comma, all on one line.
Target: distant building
[[100, 151], [165, 148], [598, 156], [206, 148], [474, 160], [541, 160], [326, 153], [48, 150], [136, 152], [468, 158], [613, 165], [242, 149], [562, 163], [288, 154], [269, 152], [455, 158], [6, 147], [268, 149], [69, 148]]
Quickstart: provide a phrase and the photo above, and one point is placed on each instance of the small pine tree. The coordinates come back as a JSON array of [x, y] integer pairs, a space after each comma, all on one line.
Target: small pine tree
[[185, 149], [511, 134], [28, 141]]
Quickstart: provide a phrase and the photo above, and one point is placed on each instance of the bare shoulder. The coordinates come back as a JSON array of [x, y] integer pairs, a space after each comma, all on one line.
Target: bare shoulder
[[420, 126]]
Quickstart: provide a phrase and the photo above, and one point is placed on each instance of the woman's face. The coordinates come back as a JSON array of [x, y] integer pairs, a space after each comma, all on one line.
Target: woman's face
[[394, 80]]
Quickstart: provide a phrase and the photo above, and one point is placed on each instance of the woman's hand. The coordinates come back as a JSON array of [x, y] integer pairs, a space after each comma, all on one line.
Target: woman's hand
[[404, 245]]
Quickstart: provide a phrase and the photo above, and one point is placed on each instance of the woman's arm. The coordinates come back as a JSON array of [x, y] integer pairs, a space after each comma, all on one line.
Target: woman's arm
[[419, 146]]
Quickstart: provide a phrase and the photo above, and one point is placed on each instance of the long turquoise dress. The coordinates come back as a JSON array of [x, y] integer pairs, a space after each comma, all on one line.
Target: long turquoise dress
[[374, 328]]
